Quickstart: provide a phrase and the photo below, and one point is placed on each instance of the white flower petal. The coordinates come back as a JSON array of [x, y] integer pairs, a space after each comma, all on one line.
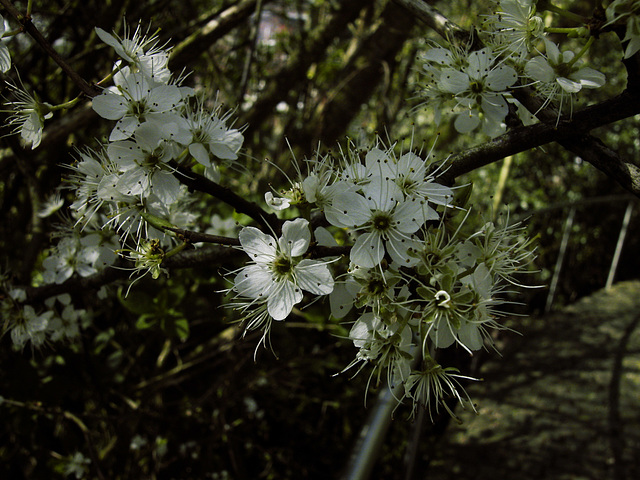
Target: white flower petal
[[368, 251], [253, 281], [441, 334], [107, 38], [398, 247], [200, 153], [436, 193], [553, 53], [134, 182], [341, 301], [324, 237], [495, 107], [296, 237], [259, 246], [539, 69], [348, 209], [314, 277], [282, 299], [165, 186], [412, 214], [501, 78], [479, 63], [110, 106], [589, 78], [469, 335], [568, 85], [223, 151], [377, 162], [453, 81], [5, 59], [382, 194], [124, 128], [437, 55], [466, 122], [31, 130]]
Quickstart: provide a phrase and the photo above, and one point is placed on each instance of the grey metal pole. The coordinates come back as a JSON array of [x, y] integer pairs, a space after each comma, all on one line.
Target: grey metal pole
[[621, 237], [366, 450]]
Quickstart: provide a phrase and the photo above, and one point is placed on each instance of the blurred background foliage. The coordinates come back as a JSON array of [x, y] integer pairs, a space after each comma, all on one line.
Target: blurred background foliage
[[174, 392]]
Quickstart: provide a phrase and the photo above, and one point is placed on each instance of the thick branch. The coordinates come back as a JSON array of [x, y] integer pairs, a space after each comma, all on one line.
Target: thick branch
[[569, 133]]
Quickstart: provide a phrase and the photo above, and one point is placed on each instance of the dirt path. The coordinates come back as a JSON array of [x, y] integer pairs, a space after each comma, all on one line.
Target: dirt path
[[562, 403]]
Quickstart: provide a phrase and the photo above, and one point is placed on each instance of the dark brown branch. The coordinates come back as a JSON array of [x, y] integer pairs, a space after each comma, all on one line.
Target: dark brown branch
[[434, 19], [196, 237], [355, 83], [569, 133], [195, 181]]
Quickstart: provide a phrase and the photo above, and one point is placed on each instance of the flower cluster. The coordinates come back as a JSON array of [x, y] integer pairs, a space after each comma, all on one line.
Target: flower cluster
[[127, 189], [415, 284], [59, 321], [28, 115], [476, 85], [159, 124], [413, 279]]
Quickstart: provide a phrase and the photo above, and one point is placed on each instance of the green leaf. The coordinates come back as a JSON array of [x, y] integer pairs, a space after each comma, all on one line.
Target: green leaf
[[176, 327], [136, 302], [145, 321]]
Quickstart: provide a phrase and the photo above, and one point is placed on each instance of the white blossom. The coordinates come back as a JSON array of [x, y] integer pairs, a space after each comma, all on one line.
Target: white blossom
[[479, 91], [135, 100], [278, 274], [141, 51], [384, 219], [28, 116], [559, 76]]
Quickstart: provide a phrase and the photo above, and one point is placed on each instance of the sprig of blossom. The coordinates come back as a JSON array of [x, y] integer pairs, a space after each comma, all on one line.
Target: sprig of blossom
[[558, 76], [140, 50], [432, 385], [28, 115]]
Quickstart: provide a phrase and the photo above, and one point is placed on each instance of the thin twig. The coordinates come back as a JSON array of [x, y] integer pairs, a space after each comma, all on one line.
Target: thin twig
[[27, 25], [200, 183]]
